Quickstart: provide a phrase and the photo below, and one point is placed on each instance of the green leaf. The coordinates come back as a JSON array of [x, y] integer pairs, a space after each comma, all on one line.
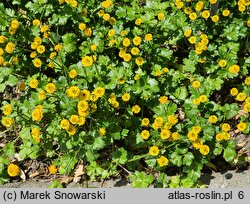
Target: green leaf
[[55, 184], [176, 159], [120, 156], [188, 159], [9, 149], [66, 163], [229, 154], [141, 179], [181, 93], [98, 144], [230, 110]]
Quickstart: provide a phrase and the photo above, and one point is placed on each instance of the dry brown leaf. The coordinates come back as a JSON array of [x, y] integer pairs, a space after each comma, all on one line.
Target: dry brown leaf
[[22, 175], [78, 173], [240, 113], [34, 174], [66, 179]]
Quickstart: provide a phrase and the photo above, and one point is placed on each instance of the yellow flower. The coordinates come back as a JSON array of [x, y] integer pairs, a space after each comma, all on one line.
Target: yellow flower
[[172, 119], [159, 121], [205, 14], [83, 105], [2, 39], [154, 151], [226, 136], [72, 73], [242, 126], [192, 16], [106, 4], [225, 127], [204, 149], [161, 16], [52, 169], [196, 101], [74, 119], [137, 40], [13, 170], [64, 124], [192, 135], [106, 17], [162, 161], [7, 109], [14, 24], [10, 47], [35, 132], [85, 94], [222, 63], [126, 42], [37, 114], [58, 47], [241, 96], [219, 137], [247, 81], [33, 55], [135, 51], [203, 98], [7, 122], [234, 91], [50, 88], [127, 57], [81, 120], [213, 1], [241, 8], [163, 99], [225, 12], [175, 136], [246, 107], [137, 77], [138, 21], [165, 134], [234, 69], [145, 122], [123, 33], [37, 62], [148, 37], [179, 4], [196, 129], [73, 92], [136, 109], [187, 10], [71, 130], [248, 23], [100, 13], [33, 83], [139, 61], [213, 119], [111, 32], [87, 61], [42, 95], [215, 18], [99, 92], [82, 26], [196, 84], [197, 143], [145, 134], [40, 49], [44, 28], [36, 22], [188, 32], [102, 131], [126, 97], [192, 40]]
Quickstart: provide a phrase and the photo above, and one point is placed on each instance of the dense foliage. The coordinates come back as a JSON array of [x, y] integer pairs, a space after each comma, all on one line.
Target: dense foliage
[[154, 88]]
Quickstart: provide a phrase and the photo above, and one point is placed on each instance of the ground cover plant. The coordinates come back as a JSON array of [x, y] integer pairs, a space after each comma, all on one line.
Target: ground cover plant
[[152, 90]]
